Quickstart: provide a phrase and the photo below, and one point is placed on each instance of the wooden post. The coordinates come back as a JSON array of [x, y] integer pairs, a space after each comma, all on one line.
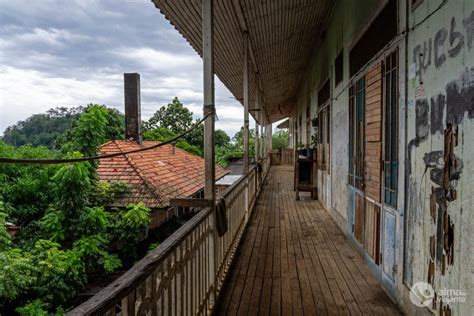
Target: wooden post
[[209, 132], [268, 134], [257, 106], [262, 142], [246, 103]]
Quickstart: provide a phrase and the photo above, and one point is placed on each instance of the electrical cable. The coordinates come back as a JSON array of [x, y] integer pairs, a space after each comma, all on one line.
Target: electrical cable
[[4, 160]]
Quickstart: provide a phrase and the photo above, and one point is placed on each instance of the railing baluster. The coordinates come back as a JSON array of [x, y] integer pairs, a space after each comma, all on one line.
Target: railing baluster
[[185, 274]]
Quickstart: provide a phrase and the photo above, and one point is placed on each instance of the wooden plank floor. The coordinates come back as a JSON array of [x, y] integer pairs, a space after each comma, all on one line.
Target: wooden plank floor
[[295, 260]]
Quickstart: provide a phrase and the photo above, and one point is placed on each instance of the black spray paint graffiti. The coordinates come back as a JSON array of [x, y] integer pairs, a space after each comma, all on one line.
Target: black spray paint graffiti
[[422, 54], [451, 106], [442, 113]]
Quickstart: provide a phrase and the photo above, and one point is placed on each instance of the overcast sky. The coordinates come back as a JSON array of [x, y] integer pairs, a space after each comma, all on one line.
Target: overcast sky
[[74, 52]]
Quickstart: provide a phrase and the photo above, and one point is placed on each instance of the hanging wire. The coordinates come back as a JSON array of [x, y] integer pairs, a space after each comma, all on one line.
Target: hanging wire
[[5, 160]]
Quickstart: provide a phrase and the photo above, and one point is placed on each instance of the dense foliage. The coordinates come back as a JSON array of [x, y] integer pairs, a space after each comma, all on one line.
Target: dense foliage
[[51, 128], [66, 237], [234, 150], [174, 119], [280, 140], [163, 134]]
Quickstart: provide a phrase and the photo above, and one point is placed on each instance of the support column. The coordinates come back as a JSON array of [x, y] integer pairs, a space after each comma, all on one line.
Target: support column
[[257, 106], [246, 103], [268, 134], [209, 107], [209, 132], [262, 142]]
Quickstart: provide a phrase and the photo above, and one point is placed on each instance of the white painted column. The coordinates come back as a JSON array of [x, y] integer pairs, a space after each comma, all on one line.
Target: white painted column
[[246, 103], [209, 133], [257, 107], [268, 134]]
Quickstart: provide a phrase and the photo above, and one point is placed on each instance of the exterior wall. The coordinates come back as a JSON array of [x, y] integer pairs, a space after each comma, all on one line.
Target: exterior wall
[[355, 17], [436, 87], [441, 92]]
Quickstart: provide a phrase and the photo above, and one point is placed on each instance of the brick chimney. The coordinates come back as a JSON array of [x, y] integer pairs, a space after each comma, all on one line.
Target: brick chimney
[[132, 107]]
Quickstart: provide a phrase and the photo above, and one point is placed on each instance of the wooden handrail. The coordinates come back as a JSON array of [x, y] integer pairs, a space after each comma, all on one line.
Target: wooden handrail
[[111, 294], [175, 277]]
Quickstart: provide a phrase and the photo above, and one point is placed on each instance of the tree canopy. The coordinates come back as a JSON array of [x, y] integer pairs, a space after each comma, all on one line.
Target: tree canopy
[[53, 128], [174, 119], [174, 116], [42, 129], [66, 235], [280, 140]]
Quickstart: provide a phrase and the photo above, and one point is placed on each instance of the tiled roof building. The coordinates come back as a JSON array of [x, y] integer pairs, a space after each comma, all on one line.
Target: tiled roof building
[[154, 176]]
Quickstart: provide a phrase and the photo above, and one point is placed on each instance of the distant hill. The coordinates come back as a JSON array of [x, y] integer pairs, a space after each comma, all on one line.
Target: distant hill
[[48, 128]]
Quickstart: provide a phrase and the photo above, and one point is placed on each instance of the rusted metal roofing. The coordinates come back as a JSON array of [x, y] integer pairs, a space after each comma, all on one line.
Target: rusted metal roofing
[[154, 176], [283, 35]]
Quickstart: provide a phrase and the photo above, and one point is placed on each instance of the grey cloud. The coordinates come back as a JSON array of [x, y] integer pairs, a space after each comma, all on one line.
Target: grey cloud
[[72, 52]]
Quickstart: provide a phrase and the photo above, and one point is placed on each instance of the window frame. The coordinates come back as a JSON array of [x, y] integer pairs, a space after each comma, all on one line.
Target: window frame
[[357, 105], [339, 68], [390, 108]]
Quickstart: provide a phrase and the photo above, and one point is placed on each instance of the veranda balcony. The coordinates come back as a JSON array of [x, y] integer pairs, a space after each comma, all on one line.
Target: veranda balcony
[[279, 256]]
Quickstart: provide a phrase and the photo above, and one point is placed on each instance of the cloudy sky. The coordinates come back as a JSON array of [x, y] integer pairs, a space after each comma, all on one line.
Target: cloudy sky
[[74, 52]]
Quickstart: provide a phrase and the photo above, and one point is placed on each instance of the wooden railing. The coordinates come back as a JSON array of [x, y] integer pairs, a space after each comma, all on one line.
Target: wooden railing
[[282, 157], [185, 274]]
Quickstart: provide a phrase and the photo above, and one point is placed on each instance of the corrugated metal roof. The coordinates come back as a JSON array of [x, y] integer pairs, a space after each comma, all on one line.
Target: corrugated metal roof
[[283, 35]]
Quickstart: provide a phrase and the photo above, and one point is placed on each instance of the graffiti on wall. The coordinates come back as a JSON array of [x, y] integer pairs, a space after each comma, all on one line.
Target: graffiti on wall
[[447, 42], [433, 115], [441, 114]]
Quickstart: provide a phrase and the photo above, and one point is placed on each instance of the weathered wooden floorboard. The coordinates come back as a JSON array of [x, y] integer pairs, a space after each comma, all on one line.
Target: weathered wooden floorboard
[[293, 259]]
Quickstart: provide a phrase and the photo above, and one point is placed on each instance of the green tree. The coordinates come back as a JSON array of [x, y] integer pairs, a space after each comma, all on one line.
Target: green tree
[[196, 136], [66, 235], [114, 128], [53, 129], [234, 149], [174, 116], [222, 139], [162, 134], [42, 129], [280, 140], [238, 139], [25, 190], [89, 131]]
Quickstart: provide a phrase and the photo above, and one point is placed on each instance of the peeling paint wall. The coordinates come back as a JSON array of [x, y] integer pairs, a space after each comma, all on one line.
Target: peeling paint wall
[[440, 150], [349, 20], [431, 229]]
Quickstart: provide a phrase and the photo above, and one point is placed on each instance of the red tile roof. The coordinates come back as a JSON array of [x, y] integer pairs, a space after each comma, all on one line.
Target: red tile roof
[[154, 176]]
